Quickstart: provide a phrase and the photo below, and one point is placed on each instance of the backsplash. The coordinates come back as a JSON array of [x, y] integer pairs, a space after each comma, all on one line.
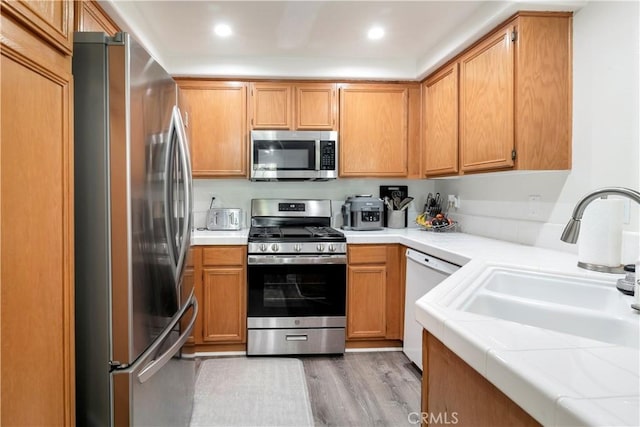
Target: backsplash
[[237, 193]]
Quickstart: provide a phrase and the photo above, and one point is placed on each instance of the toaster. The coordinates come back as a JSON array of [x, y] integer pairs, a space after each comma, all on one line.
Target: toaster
[[362, 212], [224, 219]]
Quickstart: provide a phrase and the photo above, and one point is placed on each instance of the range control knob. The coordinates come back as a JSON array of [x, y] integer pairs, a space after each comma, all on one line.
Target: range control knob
[[332, 248], [275, 247], [320, 247], [263, 247], [297, 247]]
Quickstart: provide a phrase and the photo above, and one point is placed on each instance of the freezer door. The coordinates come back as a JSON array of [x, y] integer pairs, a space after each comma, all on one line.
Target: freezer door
[[158, 389]]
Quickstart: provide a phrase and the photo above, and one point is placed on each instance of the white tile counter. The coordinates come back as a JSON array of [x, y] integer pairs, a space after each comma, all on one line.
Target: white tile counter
[[559, 379], [201, 237]]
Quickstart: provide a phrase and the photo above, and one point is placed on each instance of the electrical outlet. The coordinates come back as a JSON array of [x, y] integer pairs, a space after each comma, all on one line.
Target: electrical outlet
[[454, 201], [534, 206]]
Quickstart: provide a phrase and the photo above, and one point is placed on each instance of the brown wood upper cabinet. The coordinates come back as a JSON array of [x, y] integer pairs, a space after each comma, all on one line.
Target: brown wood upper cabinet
[[441, 122], [215, 119], [374, 292], [51, 21], [89, 16], [293, 106], [514, 93], [374, 130]]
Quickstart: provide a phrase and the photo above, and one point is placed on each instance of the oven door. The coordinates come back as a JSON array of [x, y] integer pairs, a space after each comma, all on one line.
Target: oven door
[[284, 159], [296, 286]]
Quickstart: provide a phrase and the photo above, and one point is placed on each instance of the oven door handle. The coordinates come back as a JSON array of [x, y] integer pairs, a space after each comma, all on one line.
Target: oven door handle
[[296, 259]]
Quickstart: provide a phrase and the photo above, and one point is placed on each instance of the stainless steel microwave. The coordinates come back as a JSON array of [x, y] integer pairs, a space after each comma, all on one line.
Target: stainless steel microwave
[[294, 155]]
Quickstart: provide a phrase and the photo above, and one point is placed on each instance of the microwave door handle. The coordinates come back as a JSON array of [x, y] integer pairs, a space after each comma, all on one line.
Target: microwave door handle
[[317, 144], [168, 197], [185, 236]]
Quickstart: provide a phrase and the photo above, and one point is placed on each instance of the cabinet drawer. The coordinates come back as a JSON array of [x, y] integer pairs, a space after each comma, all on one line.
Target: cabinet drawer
[[224, 255], [367, 254]]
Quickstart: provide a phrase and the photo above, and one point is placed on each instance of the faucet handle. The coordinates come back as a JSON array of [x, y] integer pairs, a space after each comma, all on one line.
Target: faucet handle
[[627, 285]]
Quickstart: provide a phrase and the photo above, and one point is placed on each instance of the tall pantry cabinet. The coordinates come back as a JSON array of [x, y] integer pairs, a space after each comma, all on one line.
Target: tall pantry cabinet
[[36, 214]]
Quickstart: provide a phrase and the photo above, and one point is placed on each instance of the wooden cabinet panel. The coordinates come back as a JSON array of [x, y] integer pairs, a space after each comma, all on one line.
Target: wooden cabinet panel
[[224, 255], [451, 387], [315, 106], [441, 122], [373, 130], [215, 118], [375, 295], [220, 286], [366, 317], [89, 16], [224, 305], [395, 292], [36, 223], [367, 254], [486, 103], [50, 20], [271, 105], [543, 92]]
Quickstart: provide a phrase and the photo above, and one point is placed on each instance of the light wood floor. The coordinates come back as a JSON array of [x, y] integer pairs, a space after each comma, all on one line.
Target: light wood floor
[[362, 389]]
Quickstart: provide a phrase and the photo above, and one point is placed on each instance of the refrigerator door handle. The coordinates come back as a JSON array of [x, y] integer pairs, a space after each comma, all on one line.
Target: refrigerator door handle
[[186, 170], [168, 196], [147, 364], [157, 364]]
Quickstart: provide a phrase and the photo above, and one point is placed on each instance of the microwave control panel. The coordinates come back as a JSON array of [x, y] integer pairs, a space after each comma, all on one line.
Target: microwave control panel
[[327, 155]]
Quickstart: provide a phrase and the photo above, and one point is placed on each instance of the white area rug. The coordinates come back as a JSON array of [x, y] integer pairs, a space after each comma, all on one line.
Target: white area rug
[[242, 391]]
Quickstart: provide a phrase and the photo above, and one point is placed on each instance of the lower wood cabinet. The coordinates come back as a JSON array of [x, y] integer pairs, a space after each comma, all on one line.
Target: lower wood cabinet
[[455, 393], [220, 285], [375, 293]]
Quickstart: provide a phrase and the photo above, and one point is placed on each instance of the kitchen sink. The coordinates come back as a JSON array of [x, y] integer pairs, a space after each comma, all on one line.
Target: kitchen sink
[[585, 307]]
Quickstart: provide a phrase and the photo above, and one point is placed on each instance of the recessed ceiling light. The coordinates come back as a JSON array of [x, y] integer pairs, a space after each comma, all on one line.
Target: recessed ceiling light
[[222, 30], [376, 33]]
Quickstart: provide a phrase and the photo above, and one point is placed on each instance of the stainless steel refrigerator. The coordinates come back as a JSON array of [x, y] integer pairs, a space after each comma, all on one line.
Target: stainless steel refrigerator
[[134, 311]]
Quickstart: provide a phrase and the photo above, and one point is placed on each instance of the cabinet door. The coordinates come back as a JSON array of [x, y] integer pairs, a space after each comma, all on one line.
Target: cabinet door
[[366, 301], [441, 122], [89, 16], [486, 104], [215, 117], [271, 105], [52, 21], [36, 242], [316, 106], [224, 305], [373, 130]]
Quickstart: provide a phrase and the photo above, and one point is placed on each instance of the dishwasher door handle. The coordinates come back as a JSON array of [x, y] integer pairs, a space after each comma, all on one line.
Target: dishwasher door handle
[[432, 262]]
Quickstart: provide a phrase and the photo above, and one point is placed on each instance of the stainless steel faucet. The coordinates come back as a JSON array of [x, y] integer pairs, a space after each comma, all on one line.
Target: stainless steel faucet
[[572, 229]]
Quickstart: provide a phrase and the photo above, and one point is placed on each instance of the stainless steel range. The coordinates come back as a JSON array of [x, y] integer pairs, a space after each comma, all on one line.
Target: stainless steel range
[[297, 279]]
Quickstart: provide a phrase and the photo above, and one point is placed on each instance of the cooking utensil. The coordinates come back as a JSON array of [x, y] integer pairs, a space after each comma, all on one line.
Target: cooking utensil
[[427, 204], [405, 203], [388, 203]]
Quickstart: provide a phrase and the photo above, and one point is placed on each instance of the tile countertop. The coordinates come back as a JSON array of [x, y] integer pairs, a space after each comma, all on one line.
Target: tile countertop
[[558, 379]]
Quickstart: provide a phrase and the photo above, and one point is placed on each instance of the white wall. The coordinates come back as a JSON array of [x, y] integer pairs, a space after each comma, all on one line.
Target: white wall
[[237, 193], [606, 114]]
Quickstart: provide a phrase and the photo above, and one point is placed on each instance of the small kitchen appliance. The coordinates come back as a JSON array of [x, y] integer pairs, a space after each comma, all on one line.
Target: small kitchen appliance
[[294, 155], [362, 212], [224, 219], [296, 278]]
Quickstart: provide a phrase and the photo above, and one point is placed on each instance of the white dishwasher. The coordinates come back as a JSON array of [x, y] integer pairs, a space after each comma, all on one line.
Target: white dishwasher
[[423, 273]]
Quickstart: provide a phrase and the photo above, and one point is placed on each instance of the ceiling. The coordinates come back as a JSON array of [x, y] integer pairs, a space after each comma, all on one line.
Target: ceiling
[[312, 39]]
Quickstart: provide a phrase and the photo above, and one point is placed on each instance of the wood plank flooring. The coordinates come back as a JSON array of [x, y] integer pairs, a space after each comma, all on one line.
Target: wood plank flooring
[[362, 389]]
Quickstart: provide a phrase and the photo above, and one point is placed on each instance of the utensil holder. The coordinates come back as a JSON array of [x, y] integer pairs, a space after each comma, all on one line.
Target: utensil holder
[[396, 219]]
